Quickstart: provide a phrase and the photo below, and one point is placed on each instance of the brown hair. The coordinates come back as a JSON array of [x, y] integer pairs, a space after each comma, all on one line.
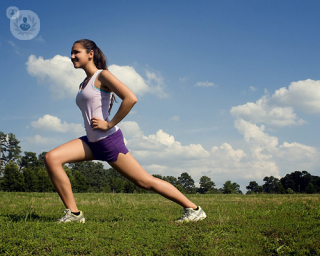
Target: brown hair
[[98, 58]]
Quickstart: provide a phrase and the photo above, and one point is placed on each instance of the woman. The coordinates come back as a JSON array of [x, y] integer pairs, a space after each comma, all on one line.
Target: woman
[[104, 140]]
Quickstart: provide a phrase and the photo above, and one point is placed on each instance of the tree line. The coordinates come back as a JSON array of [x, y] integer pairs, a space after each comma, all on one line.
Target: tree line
[[27, 173]]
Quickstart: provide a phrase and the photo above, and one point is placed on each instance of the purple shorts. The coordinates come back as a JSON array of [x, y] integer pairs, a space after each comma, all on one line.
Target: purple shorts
[[108, 148]]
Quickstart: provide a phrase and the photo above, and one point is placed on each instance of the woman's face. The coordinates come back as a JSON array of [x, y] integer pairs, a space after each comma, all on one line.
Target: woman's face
[[79, 56]]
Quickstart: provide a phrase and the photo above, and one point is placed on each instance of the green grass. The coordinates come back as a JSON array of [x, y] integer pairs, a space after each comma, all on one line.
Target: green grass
[[143, 224]]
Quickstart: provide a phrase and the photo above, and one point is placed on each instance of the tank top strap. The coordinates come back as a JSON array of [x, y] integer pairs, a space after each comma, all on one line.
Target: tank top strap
[[93, 79], [96, 74]]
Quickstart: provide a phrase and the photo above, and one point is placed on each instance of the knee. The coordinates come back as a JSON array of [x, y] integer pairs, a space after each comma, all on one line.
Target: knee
[[51, 158], [147, 183]]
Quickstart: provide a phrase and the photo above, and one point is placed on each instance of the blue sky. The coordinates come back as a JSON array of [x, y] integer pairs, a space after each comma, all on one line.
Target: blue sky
[[227, 89]]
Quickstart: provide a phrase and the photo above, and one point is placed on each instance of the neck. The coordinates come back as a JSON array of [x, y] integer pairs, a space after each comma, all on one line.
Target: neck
[[90, 70]]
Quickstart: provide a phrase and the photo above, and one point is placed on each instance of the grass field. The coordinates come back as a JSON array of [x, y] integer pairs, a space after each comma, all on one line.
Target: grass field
[[143, 224]]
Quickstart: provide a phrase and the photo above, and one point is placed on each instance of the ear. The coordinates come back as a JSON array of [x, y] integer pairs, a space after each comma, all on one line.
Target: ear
[[91, 54]]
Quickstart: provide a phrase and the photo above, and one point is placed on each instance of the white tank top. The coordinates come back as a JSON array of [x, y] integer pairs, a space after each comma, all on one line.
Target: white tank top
[[94, 102]]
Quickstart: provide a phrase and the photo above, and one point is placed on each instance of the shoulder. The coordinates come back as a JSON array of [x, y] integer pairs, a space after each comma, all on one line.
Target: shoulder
[[106, 75], [108, 79]]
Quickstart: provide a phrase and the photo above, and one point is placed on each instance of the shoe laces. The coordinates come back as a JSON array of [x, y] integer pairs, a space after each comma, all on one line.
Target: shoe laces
[[66, 213], [187, 213]]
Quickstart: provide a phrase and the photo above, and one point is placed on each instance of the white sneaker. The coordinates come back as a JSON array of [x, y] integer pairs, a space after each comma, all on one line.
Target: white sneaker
[[69, 217], [192, 215]]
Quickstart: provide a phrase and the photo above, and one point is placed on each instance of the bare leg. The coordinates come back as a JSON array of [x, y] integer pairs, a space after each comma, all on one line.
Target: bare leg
[[127, 166], [73, 151]]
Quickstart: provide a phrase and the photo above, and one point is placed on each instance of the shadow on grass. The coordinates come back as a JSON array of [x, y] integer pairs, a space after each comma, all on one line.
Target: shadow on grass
[[28, 217]]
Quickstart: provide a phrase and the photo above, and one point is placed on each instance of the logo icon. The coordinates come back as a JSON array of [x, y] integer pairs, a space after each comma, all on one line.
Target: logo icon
[[12, 12], [25, 26]]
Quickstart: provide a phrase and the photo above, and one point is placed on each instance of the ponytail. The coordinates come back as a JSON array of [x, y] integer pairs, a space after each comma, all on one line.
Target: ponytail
[[99, 59]]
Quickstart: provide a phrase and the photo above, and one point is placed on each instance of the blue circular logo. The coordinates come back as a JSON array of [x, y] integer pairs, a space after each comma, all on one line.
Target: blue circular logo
[[12, 12], [26, 26]]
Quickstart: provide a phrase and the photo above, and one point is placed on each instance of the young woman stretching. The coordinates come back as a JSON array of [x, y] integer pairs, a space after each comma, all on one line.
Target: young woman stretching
[[104, 140]]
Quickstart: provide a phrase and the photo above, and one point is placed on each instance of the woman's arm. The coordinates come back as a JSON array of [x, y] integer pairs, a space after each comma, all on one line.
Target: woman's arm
[[110, 83]]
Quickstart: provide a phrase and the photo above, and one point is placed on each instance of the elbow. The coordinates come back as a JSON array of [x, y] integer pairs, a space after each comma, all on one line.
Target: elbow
[[130, 100], [134, 100]]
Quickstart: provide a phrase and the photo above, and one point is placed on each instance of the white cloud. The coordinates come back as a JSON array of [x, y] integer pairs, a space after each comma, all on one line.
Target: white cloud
[[64, 80], [58, 72], [130, 77], [226, 152], [279, 109], [303, 95], [37, 139], [272, 158], [253, 89], [160, 146], [52, 123], [298, 152], [130, 129], [255, 135], [264, 112], [264, 156], [260, 156], [156, 85], [205, 84]]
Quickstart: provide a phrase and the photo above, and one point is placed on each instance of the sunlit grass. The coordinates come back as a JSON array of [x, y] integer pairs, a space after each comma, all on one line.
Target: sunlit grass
[[143, 224]]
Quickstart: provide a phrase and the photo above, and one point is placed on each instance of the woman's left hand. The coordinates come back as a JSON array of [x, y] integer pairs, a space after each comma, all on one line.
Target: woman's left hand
[[100, 124]]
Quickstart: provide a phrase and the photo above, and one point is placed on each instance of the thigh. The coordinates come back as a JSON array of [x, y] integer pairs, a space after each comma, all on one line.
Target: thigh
[[128, 167], [71, 152]]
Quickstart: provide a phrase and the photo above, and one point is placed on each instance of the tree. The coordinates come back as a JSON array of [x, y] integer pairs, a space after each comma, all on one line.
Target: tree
[[158, 176], [69, 174], [181, 189], [315, 180], [253, 187], [231, 188], [172, 180], [3, 140], [187, 182], [94, 173], [297, 181], [44, 182], [272, 185], [311, 189], [228, 188], [80, 183], [130, 187], [115, 180], [41, 160], [117, 184], [29, 160], [13, 179], [237, 188], [10, 149], [206, 184], [30, 179], [290, 191]]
